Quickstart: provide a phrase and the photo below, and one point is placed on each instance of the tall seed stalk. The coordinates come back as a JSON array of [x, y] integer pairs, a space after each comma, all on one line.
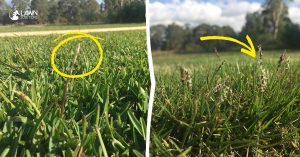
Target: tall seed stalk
[[64, 98]]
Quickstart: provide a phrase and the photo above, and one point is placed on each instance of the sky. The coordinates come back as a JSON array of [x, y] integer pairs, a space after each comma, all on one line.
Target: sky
[[215, 12]]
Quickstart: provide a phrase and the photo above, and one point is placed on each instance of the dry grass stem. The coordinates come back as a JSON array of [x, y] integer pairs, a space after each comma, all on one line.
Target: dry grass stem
[[64, 98]]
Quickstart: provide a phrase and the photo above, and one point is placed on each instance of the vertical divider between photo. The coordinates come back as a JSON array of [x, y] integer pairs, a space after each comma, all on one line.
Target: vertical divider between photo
[[152, 77]]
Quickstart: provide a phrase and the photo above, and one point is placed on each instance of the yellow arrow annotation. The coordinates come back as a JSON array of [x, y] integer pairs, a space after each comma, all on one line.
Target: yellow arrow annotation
[[249, 50]]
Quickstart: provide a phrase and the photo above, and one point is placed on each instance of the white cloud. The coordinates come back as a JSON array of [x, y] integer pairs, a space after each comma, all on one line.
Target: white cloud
[[296, 1], [220, 12], [294, 14]]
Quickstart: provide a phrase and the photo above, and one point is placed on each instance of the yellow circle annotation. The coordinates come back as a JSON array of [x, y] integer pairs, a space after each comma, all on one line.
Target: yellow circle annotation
[[78, 35]]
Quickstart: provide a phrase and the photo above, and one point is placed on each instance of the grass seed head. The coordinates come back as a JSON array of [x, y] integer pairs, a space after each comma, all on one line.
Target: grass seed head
[[260, 52], [23, 96], [185, 76], [281, 58], [226, 93], [217, 53], [264, 76]]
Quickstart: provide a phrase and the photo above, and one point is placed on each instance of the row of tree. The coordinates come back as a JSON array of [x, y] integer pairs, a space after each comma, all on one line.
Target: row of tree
[[77, 11], [269, 27]]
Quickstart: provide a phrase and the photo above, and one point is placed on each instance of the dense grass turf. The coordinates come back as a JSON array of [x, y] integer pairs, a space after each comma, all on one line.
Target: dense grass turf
[[104, 114], [229, 106], [23, 28]]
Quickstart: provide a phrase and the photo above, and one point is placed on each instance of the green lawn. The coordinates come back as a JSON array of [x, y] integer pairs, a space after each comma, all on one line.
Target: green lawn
[[169, 58], [103, 114], [19, 28], [234, 105]]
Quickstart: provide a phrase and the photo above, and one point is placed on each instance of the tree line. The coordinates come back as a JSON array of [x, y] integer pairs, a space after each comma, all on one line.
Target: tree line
[[269, 27], [77, 11]]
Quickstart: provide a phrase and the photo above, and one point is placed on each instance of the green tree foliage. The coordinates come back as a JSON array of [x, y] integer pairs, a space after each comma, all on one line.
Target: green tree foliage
[[70, 11], [134, 11], [158, 37], [92, 11], [80, 11], [54, 12], [3, 10], [21, 4], [270, 26], [3, 5], [275, 14], [291, 36], [207, 30], [125, 10], [254, 25], [42, 7], [175, 36], [112, 7]]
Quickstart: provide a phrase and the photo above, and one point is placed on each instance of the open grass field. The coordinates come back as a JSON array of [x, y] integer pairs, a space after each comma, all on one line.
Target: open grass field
[[103, 114], [21, 28], [231, 105]]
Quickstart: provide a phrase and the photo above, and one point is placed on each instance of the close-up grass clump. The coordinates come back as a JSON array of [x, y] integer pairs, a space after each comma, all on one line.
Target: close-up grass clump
[[103, 114], [226, 104]]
